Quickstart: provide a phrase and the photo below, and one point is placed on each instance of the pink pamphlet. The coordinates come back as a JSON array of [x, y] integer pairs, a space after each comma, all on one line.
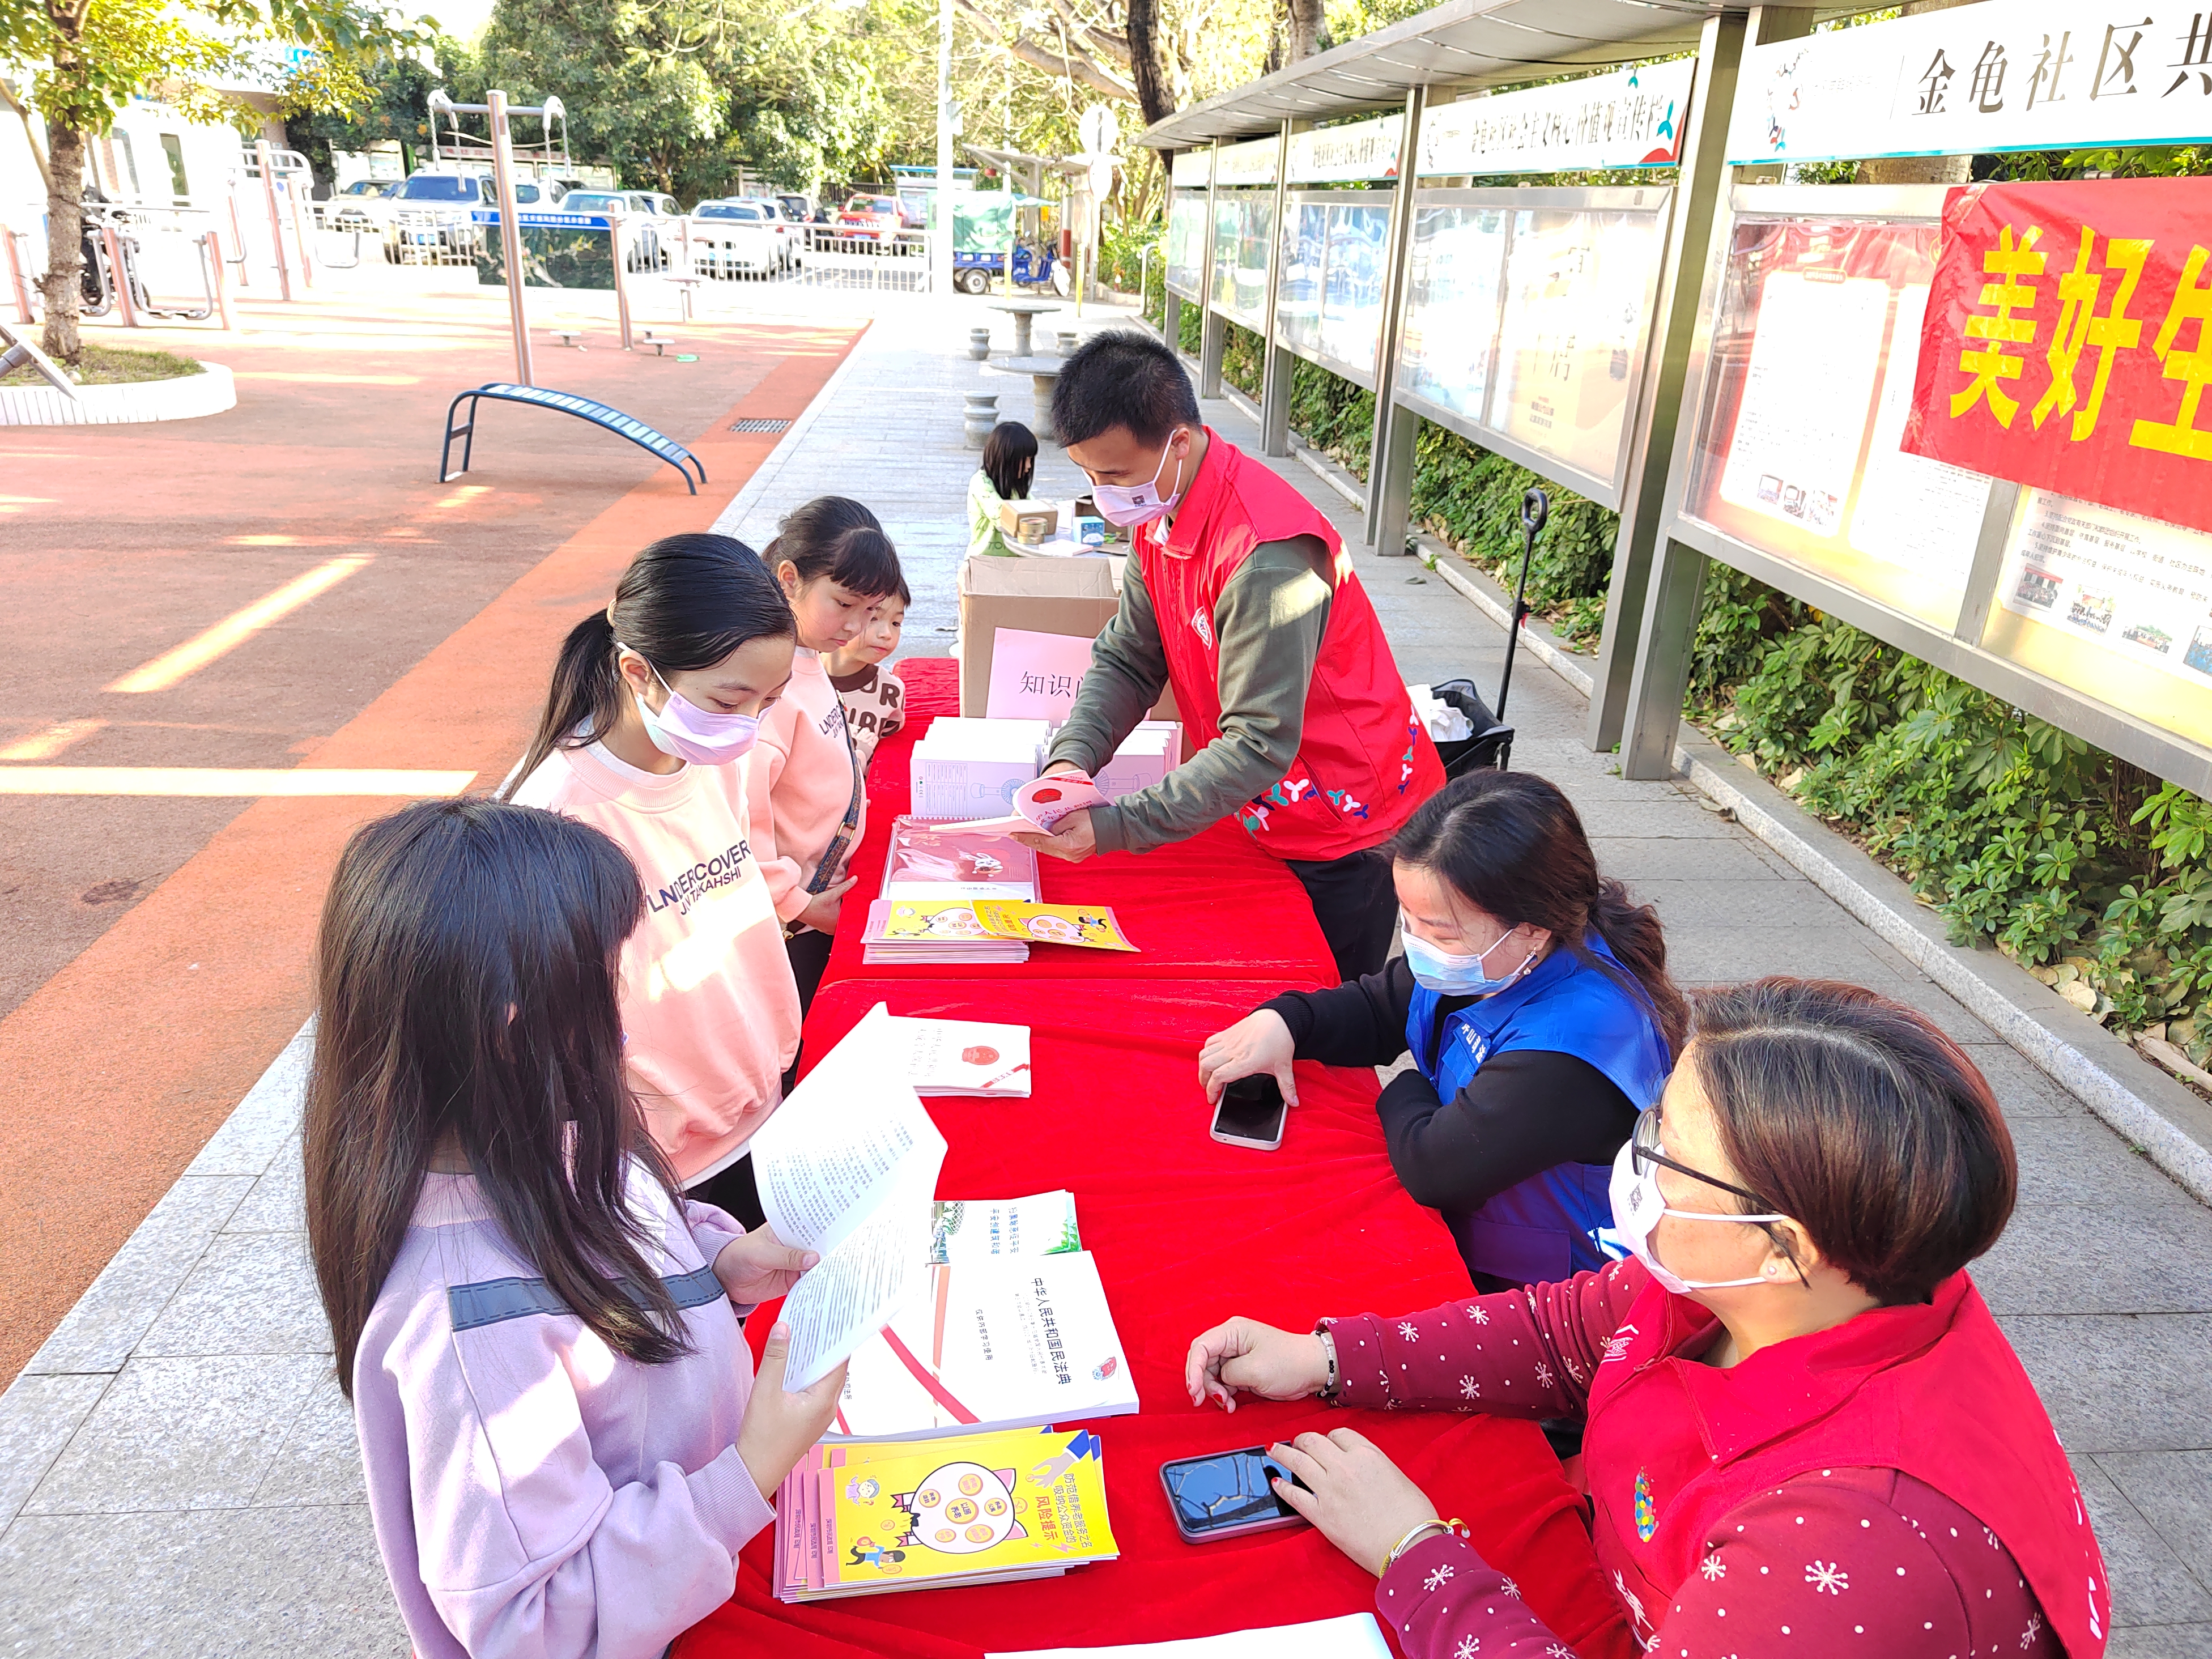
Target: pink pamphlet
[[1040, 804]]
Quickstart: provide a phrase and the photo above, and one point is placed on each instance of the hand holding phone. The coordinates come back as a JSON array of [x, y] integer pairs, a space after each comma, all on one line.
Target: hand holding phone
[[1251, 1113], [1227, 1494]]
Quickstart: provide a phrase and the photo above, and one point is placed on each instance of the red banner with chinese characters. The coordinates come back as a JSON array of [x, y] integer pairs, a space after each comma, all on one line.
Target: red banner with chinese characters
[[2066, 344]]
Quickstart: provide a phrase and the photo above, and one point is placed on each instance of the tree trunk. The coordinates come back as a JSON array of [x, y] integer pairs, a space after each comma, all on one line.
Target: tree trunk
[[1918, 170], [1306, 24], [1149, 75], [64, 240]]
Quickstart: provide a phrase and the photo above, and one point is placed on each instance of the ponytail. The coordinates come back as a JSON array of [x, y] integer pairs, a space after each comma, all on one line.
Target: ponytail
[[1631, 932], [685, 603], [836, 537], [1512, 845]]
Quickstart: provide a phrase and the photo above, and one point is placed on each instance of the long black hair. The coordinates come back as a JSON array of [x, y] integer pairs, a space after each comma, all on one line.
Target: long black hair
[[1010, 460], [1513, 845], [467, 973], [685, 603], [836, 537]]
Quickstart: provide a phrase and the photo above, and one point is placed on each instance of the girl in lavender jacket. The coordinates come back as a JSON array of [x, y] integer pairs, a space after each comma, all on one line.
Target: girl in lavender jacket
[[564, 1445]]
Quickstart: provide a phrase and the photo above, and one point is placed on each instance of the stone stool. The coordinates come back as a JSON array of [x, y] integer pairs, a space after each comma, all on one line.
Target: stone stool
[[979, 343], [1069, 339], [980, 415]]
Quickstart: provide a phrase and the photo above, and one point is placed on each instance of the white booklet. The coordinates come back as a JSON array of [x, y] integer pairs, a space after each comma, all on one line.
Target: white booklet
[[1354, 1636], [954, 1056], [846, 1165], [999, 1342], [964, 1229]]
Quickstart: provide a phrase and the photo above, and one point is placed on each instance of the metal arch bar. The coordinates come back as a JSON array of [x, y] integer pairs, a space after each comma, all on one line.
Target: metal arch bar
[[584, 408]]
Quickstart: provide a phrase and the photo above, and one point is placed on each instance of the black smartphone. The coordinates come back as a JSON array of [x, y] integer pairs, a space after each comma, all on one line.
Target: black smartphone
[[1227, 1494], [1251, 1113]]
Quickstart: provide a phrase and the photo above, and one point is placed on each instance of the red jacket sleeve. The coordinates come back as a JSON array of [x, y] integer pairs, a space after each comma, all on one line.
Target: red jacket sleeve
[[1528, 1352], [1818, 1567]]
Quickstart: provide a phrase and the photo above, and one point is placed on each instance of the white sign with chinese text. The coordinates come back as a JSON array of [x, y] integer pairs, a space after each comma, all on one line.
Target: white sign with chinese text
[[1631, 119], [1034, 676], [1192, 170], [1252, 163], [1368, 149], [2025, 75]]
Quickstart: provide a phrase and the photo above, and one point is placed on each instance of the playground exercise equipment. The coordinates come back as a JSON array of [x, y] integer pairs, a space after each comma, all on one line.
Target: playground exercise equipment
[[600, 415]]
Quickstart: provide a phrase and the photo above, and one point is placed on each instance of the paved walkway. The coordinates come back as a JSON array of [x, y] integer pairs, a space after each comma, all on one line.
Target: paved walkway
[[176, 1469]]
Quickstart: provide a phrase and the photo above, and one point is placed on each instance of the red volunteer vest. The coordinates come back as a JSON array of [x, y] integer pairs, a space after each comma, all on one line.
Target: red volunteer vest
[[1934, 1391], [1364, 761]]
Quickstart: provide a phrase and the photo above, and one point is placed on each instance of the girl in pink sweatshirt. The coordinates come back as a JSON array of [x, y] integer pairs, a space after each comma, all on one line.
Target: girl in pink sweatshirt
[[808, 799], [648, 735], [564, 1445]]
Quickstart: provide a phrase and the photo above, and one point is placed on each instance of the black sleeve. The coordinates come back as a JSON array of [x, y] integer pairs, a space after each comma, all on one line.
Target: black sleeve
[[1361, 1023], [1527, 1109]]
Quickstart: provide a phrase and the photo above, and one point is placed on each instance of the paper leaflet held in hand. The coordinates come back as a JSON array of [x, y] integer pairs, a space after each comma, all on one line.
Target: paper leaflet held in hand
[[1039, 805], [940, 1335]]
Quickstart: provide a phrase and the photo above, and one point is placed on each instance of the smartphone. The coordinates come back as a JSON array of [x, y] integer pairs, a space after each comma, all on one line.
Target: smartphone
[[1227, 1494], [1251, 1113]]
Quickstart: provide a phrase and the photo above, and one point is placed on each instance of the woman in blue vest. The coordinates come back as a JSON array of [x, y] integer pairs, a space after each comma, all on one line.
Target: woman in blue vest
[[1535, 997]]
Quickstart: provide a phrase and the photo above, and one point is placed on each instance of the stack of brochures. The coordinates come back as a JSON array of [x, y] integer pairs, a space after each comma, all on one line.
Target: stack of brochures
[[970, 768], [1147, 756], [928, 862], [859, 1519], [944, 930], [962, 1057]]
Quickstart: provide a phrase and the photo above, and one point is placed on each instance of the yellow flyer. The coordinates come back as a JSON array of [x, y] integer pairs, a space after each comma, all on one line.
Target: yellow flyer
[[1090, 925], [964, 1506]]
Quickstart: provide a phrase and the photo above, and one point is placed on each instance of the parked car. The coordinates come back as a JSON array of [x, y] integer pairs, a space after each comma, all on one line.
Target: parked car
[[740, 234], [870, 218], [798, 210], [433, 215], [653, 202], [364, 204], [645, 252]]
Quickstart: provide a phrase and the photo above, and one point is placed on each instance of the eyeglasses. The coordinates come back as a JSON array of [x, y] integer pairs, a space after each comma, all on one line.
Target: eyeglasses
[[1643, 1149]]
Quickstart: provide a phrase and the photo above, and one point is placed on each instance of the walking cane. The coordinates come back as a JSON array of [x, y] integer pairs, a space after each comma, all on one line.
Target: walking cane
[[1535, 507]]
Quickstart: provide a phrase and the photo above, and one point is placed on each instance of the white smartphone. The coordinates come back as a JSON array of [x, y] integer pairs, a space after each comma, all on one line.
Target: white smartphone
[[1251, 1114]]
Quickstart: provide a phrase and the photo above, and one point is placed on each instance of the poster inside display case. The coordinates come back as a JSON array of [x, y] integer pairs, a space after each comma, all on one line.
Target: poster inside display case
[[1809, 381], [1305, 260], [1244, 236], [2110, 604], [1578, 287], [1187, 243], [1329, 307], [1352, 293], [1450, 329]]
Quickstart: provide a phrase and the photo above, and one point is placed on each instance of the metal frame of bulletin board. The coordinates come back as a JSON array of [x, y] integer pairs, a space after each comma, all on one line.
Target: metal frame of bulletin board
[[1551, 346], [1816, 499]]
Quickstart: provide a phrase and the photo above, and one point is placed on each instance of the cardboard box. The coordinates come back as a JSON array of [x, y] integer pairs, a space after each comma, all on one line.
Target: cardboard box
[[1027, 523], [1042, 596]]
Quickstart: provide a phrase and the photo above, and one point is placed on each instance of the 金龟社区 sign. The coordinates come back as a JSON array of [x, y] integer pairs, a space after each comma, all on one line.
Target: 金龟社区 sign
[[2065, 343]]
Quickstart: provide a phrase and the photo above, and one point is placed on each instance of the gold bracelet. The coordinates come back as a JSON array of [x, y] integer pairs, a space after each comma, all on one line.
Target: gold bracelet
[[1412, 1537]]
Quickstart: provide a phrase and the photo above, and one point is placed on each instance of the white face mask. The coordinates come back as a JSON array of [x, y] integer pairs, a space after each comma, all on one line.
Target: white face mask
[[689, 732], [1637, 1206], [1131, 505]]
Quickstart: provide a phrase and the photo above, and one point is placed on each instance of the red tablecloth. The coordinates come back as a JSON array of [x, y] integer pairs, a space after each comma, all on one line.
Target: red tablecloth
[[1212, 908], [1188, 1231]]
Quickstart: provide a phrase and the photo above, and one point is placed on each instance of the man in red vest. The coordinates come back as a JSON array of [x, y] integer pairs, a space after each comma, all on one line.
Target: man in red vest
[[1240, 595]]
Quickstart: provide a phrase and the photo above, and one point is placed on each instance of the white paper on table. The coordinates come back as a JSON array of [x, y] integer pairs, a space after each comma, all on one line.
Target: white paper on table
[[1355, 1636], [859, 1284], [848, 1136]]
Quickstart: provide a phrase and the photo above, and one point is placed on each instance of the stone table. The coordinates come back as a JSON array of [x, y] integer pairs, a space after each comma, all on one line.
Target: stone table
[[1044, 374], [1023, 311]]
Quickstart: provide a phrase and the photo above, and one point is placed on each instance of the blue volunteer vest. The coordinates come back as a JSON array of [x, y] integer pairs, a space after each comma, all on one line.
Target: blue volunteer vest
[[1546, 1227]]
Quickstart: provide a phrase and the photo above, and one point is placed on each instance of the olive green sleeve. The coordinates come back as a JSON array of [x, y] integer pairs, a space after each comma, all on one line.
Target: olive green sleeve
[[1269, 623], [1128, 671]]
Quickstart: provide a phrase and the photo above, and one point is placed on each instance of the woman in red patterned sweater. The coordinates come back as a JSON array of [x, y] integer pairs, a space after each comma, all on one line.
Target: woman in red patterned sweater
[[1806, 1434]]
